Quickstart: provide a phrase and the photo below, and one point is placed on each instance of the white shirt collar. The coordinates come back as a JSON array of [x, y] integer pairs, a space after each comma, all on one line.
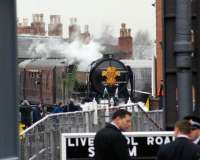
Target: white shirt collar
[[114, 124], [183, 136], [197, 140]]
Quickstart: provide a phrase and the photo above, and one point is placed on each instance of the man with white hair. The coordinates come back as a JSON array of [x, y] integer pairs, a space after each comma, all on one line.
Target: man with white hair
[[182, 148], [195, 132]]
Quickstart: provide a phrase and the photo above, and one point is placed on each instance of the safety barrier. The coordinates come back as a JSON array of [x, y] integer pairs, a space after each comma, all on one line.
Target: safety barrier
[[42, 139]]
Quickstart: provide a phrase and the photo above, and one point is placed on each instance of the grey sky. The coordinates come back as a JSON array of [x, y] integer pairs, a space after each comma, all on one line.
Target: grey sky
[[137, 14]]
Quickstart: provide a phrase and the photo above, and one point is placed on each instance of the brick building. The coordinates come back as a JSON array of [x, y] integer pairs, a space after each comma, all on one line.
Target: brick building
[[85, 37], [23, 28], [75, 32], [55, 28], [125, 41], [38, 25], [73, 29], [159, 43]]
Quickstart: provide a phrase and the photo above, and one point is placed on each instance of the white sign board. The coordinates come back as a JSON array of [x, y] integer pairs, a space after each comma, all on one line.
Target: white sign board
[[142, 145]]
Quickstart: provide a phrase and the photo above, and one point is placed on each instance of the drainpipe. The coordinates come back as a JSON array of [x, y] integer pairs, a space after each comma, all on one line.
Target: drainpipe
[[183, 50]]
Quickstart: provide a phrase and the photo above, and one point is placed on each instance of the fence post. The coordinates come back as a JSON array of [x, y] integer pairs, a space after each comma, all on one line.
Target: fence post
[[87, 121], [107, 114]]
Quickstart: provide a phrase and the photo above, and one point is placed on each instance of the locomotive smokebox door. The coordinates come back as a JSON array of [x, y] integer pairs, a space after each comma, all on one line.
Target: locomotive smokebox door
[[111, 74]]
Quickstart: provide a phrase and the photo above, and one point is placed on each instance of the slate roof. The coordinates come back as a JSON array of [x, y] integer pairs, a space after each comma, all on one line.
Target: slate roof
[[27, 46], [42, 63]]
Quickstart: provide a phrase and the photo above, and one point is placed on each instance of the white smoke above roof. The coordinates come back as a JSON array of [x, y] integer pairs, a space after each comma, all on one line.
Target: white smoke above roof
[[75, 51]]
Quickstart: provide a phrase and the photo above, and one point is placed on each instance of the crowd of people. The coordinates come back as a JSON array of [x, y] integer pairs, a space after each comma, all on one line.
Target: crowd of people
[[71, 107], [111, 144], [30, 114]]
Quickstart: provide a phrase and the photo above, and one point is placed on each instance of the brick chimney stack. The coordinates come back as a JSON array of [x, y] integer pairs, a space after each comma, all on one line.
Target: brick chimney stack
[[38, 25], [86, 29], [23, 27], [55, 28], [85, 37], [125, 41], [25, 22], [74, 29]]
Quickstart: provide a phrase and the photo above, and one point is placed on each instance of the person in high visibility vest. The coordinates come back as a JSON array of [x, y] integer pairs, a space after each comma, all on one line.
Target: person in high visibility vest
[[22, 127], [147, 104]]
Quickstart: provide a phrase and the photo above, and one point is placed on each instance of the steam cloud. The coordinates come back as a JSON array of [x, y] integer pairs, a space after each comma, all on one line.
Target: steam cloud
[[73, 52]]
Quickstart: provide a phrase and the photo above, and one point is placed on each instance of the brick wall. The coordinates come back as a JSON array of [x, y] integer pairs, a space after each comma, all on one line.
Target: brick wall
[[159, 43], [55, 28], [125, 41]]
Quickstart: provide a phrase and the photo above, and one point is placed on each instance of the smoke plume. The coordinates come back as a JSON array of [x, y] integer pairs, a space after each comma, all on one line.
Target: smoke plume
[[75, 51]]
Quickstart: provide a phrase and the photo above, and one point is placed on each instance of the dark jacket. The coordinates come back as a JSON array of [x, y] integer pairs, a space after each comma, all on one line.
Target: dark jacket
[[36, 114], [111, 144], [72, 108], [57, 109], [180, 149]]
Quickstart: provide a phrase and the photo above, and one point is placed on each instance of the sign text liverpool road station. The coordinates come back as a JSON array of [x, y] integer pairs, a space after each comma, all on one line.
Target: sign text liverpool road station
[[142, 145]]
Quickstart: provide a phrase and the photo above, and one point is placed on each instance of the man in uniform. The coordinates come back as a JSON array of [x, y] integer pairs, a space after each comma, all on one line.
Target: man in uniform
[[195, 133], [182, 148]]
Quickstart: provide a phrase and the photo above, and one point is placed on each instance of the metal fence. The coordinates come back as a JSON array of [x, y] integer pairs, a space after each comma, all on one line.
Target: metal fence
[[42, 139]]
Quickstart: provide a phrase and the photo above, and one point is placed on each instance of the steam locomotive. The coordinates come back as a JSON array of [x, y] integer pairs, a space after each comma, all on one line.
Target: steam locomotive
[[109, 78], [44, 81]]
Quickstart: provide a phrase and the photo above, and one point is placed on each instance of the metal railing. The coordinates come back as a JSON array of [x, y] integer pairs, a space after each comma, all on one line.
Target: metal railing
[[42, 139]]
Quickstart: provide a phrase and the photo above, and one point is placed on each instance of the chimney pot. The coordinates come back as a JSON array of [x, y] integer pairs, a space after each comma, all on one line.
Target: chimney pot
[[86, 28], [123, 25]]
